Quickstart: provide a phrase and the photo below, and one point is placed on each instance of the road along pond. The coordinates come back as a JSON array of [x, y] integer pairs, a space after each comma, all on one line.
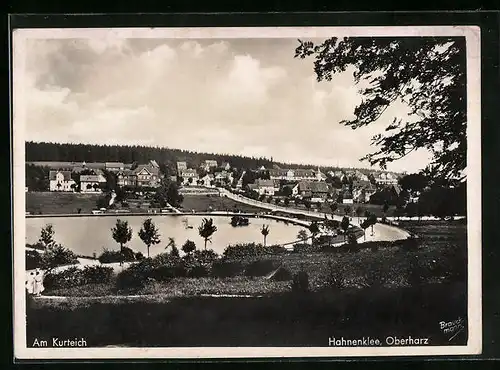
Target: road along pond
[[87, 235]]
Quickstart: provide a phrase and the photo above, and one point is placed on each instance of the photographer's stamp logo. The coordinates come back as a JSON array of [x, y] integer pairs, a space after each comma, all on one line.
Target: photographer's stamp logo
[[452, 328]]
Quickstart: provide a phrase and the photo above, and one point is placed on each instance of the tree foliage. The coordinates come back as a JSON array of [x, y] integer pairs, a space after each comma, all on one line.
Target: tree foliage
[[56, 255], [168, 192], [414, 182], [189, 247], [302, 235], [37, 177], [149, 233], [47, 236], [265, 232], [207, 229], [426, 73], [122, 233]]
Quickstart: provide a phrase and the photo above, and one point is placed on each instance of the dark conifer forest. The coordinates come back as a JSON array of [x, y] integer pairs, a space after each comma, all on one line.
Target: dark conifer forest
[[63, 152]]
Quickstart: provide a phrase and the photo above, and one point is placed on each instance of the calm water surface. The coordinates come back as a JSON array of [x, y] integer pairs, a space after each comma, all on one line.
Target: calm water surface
[[88, 235]]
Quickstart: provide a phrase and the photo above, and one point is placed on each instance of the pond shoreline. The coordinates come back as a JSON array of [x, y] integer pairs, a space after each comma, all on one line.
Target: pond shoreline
[[181, 214]]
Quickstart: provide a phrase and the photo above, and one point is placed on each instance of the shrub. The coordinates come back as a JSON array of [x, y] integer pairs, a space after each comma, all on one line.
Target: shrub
[[188, 247], [198, 271], [239, 251], [223, 269], [205, 257], [304, 248], [136, 276], [139, 256], [166, 266], [300, 283], [260, 267], [56, 255], [334, 278], [126, 255], [163, 273], [67, 278], [33, 260], [96, 274]]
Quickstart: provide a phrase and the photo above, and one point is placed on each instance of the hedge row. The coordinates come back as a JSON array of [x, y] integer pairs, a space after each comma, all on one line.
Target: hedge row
[[125, 255], [74, 276]]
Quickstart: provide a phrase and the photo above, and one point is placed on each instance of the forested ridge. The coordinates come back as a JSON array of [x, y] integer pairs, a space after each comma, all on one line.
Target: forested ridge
[[65, 152]]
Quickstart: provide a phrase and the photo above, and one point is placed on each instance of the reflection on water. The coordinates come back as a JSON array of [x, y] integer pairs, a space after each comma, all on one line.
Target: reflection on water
[[88, 235]]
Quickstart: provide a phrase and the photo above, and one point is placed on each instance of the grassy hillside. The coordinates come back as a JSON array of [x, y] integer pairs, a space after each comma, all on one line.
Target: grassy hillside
[[63, 203]]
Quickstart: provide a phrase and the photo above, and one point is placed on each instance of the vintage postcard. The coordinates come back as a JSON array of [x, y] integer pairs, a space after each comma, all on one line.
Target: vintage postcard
[[246, 192]]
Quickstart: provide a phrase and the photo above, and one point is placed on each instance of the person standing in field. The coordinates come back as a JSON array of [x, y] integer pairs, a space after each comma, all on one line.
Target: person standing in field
[[39, 288], [30, 283]]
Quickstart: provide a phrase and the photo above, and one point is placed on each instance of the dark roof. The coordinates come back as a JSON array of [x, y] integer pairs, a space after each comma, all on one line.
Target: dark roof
[[396, 188], [125, 172], [314, 186], [261, 182], [361, 183], [90, 178], [152, 170]]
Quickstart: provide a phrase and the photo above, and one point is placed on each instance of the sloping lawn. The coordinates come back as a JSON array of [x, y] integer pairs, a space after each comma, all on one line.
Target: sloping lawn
[[58, 202]]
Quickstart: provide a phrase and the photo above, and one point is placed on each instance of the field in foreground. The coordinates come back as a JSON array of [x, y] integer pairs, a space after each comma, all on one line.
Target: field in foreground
[[288, 319]]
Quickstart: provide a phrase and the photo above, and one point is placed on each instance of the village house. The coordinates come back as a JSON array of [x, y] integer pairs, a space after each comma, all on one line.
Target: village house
[[314, 190], [92, 183], [347, 197], [362, 191], [223, 176], [114, 166], [206, 180], [188, 174], [361, 176], [181, 166], [126, 178], [386, 179], [292, 175], [264, 187], [147, 175], [61, 181], [208, 164]]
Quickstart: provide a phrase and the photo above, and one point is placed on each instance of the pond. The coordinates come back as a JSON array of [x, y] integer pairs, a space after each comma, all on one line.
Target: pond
[[88, 235]]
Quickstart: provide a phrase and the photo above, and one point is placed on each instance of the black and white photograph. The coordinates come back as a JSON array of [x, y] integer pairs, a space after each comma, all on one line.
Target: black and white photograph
[[246, 192]]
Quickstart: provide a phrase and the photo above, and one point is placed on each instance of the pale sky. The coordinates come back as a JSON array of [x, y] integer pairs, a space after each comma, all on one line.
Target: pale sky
[[235, 96]]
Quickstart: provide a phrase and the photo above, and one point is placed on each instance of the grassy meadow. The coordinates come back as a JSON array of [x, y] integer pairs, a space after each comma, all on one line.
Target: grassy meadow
[[60, 203]]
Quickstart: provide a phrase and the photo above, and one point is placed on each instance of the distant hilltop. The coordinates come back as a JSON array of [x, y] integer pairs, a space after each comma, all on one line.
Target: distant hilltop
[[41, 153]]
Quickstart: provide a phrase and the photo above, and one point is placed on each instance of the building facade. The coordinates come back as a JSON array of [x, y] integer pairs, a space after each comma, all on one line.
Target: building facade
[[61, 181]]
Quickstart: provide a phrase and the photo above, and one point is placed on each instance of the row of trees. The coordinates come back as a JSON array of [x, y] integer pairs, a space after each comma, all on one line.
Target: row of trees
[[150, 236]]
